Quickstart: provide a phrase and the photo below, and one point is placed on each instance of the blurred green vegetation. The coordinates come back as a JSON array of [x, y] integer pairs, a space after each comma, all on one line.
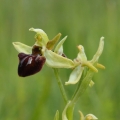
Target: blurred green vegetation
[[38, 97]]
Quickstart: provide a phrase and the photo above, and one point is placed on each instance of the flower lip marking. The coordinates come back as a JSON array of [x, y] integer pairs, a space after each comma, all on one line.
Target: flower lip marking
[[29, 61]]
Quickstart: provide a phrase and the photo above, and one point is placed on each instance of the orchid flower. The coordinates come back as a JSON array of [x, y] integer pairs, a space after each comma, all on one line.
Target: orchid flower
[[45, 51], [81, 62], [32, 58]]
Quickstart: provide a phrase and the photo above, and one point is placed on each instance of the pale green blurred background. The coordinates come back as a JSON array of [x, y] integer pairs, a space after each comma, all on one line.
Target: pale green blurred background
[[84, 21]]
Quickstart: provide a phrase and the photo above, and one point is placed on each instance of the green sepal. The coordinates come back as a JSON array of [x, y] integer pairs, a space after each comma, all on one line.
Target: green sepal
[[41, 37], [59, 47], [57, 61], [75, 75], [22, 48], [99, 51]]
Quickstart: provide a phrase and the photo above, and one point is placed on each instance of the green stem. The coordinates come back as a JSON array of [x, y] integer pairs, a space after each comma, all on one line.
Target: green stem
[[83, 86], [60, 84]]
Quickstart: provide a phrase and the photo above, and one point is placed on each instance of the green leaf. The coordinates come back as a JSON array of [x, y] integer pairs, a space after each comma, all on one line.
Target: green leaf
[[64, 114], [81, 115], [56, 115]]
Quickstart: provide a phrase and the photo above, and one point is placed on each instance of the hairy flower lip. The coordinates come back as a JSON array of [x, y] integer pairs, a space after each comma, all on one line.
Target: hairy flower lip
[[30, 64]]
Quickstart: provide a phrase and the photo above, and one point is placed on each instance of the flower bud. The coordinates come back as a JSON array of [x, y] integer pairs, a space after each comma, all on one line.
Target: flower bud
[[90, 117]]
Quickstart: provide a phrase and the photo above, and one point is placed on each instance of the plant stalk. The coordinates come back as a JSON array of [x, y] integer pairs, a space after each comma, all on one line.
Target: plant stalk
[[60, 84]]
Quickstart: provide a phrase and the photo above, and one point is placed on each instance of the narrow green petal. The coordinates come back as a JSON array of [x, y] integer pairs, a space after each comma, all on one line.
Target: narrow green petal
[[22, 48], [59, 47], [75, 75], [99, 51], [51, 43], [81, 55], [57, 61]]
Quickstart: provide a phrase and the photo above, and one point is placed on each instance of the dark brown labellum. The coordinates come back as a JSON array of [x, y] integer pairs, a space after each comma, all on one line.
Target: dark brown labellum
[[30, 64]]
